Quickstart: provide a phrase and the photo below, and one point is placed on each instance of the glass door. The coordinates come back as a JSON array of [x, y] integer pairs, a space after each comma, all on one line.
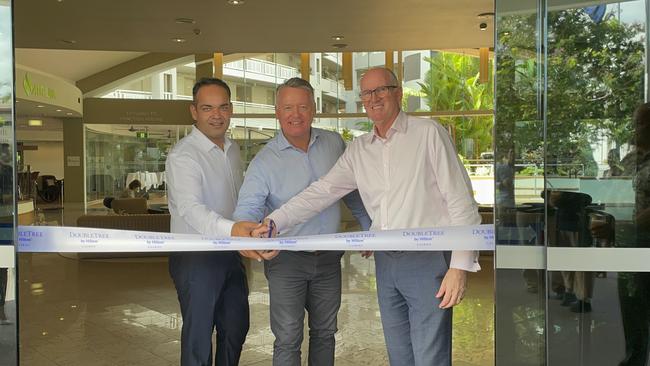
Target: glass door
[[8, 304], [573, 254]]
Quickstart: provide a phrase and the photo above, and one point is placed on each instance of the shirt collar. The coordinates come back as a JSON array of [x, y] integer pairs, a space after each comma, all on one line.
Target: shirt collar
[[204, 143], [284, 144], [399, 125]]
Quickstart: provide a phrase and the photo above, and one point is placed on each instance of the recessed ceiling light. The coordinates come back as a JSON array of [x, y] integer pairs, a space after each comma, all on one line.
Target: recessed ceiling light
[[185, 21], [337, 38], [179, 40], [69, 113], [67, 41], [40, 106], [58, 110], [236, 2], [35, 123], [339, 45]]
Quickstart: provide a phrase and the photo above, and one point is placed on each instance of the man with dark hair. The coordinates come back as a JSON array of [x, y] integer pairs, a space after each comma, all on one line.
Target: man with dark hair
[[204, 173], [299, 280]]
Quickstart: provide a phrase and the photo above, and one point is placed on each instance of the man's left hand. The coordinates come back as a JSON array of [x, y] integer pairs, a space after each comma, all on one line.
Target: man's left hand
[[452, 289]]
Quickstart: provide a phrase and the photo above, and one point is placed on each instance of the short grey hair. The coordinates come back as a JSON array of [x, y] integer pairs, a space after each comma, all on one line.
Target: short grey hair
[[296, 82]]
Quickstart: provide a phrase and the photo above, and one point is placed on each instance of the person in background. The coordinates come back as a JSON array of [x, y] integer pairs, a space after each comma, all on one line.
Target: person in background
[[134, 190]]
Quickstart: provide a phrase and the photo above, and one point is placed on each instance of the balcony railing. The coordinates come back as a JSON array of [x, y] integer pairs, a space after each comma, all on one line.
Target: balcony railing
[[137, 94], [128, 94], [254, 67]]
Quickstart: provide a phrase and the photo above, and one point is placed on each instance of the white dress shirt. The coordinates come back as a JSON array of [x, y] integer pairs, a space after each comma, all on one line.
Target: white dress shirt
[[203, 183], [411, 179]]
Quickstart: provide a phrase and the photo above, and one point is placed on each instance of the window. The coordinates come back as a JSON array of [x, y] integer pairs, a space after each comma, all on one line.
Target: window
[[244, 93]]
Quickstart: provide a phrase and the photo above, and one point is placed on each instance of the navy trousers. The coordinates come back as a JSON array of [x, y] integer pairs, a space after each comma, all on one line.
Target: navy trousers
[[213, 294]]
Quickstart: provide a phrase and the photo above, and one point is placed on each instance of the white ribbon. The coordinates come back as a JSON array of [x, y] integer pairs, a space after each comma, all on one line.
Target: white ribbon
[[47, 239]]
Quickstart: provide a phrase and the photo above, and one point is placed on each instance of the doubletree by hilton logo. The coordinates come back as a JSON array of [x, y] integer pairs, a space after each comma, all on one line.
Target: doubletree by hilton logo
[[34, 89]]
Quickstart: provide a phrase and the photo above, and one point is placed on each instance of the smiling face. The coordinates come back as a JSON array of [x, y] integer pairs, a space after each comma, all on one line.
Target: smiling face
[[382, 111], [212, 111], [295, 110]]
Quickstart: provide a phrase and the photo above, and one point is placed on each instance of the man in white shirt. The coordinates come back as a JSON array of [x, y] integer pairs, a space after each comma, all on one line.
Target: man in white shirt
[[409, 176], [204, 173]]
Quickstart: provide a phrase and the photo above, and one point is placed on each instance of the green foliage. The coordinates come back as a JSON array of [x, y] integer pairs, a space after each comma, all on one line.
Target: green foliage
[[532, 170], [346, 134], [364, 126], [452, 84], [594, 80]]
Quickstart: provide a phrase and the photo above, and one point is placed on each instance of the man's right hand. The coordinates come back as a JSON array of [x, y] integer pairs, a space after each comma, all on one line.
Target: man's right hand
[[243, 228]]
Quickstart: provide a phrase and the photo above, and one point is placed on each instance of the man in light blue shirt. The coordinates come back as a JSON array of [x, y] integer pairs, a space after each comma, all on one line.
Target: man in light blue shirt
[[298, 281]]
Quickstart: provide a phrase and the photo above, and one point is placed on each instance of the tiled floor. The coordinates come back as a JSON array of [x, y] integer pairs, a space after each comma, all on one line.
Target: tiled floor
[[125, 312]]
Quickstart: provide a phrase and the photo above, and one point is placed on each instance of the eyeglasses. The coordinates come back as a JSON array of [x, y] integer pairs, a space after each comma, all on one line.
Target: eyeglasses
[[380, 92]]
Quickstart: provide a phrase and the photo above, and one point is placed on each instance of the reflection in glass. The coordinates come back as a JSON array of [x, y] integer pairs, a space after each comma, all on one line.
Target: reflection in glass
[[519, 181], [8, 321], [615, 333], [520, 317], [591, 101]]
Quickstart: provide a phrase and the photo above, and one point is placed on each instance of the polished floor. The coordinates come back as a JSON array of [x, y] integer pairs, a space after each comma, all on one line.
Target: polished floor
[[111, 312]]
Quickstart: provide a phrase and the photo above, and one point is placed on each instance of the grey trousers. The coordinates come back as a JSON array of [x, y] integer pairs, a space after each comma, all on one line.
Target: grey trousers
[[300, 281], [416, 330]]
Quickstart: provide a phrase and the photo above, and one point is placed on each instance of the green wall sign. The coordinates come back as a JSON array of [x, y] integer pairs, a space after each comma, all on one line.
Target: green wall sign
[[39, 90]]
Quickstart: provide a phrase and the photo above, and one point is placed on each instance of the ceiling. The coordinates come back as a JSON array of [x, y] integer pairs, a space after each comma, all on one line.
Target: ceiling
[[255, 26], [102, 34], [71, 65]]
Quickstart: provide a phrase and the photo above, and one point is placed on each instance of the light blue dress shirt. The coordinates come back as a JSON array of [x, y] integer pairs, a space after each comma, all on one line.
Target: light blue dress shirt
[[280, 171]]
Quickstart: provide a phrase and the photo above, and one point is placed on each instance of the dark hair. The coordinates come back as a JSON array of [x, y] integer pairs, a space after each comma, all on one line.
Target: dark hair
[[135, 184], [209, 81]]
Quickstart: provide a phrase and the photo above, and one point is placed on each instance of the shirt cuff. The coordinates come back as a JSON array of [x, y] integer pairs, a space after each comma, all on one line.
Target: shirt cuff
[[224, 226], [466, 260], [279, 219]]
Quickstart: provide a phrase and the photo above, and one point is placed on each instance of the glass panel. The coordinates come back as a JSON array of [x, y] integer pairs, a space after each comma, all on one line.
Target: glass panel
[[445, 81], [519, 157], [79, 301], [611, 330], [8, 320], [520, 317], [598, 167], [118, 155]]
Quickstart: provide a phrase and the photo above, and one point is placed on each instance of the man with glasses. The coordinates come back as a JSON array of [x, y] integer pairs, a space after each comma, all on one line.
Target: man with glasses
[[409, 176], [204, 173], [298, 280]]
